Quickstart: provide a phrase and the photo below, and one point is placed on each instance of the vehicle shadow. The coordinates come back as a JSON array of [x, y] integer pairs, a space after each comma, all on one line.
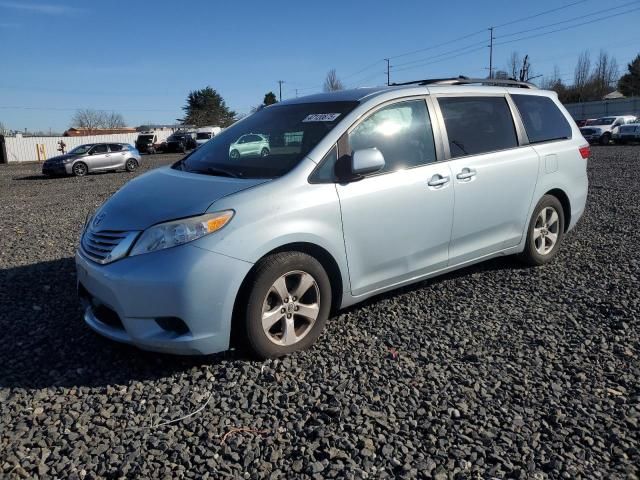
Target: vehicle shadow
[[509, 262], [45, 342]]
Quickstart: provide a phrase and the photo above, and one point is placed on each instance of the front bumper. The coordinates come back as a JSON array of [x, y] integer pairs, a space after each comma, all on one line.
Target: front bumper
[[54, 169], [194, 285]]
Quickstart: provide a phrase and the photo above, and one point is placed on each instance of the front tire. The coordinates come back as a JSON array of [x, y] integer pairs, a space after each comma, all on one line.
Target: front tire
[[545, 232], [80, 169], [235, 154], [605, 139], [264, 152], [289, 299]]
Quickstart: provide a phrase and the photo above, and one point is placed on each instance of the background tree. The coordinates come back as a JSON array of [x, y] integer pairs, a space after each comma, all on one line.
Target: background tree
[[269, 98], [88, 119], [629, 83], [604, 76], [3, 130], [332, 83], [207, 107], [581, 75], [114, 120], [520, 68]]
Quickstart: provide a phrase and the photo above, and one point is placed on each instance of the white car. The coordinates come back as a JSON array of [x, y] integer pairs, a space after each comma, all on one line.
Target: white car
[[605, 129]]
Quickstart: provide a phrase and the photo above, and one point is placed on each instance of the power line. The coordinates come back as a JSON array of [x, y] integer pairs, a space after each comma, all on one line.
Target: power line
[[568, 20], [546, 12], [442, 60], [567, 27], [432, 47], [444, 54]]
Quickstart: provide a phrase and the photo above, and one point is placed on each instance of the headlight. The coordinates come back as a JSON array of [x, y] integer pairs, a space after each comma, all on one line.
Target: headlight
[[67, 160], [172, 234]]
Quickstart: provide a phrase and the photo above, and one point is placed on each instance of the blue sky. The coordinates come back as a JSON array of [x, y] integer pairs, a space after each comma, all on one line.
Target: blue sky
[[142, 58]]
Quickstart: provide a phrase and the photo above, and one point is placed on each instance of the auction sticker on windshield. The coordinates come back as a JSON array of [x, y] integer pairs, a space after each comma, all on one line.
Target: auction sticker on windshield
[[321, 117]]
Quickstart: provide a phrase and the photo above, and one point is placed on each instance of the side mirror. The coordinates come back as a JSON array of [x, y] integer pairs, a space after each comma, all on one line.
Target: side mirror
[[366, 160]]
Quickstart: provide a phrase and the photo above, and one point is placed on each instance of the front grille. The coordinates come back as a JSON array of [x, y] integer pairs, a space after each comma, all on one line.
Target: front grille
[[102, 246]]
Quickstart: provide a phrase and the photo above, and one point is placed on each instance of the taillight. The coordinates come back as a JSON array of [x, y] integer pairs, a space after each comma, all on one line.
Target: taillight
[[585, 151]]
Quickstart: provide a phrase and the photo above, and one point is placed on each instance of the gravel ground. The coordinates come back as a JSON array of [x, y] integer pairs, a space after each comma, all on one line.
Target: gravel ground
[[493, 371]]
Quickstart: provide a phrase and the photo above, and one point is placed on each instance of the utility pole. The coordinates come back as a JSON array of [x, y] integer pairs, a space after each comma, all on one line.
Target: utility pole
[[491, 52], [280, 82], [388, 68]]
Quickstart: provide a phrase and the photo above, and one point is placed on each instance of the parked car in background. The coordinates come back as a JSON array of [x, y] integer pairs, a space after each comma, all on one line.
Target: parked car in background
[[603, 129], [381, 188], [584, 123], [628, 133], [250, 145], [204, 134], [93, 157], [180, 142], [152, 142]]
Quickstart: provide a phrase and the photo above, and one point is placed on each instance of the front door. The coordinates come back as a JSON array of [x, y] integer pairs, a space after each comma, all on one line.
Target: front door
[[397, 222], [98, 157]]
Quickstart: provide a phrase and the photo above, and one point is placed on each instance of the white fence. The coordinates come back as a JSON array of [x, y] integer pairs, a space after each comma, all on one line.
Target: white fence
[[603, 108], [25, 149]]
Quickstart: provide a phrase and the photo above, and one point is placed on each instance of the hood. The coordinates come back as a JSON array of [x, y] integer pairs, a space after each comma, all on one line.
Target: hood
[[165, 194], [59, 158]]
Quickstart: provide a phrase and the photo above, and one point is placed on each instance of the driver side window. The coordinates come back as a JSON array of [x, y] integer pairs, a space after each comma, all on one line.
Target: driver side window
[[98, 149], [401, 131]]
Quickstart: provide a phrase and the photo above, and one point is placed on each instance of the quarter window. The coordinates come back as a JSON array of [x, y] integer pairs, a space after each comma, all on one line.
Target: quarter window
[[477, 125], [543, 120], [402, 132]]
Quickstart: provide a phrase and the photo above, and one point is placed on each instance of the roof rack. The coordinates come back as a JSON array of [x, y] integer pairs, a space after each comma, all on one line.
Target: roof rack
[[461, 80]]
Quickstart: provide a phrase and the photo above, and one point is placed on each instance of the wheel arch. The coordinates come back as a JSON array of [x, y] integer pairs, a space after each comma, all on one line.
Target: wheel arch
[[325, 258], [563, 198]]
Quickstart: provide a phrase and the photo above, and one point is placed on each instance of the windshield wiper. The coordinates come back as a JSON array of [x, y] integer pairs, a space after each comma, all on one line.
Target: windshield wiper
[[216, 172]]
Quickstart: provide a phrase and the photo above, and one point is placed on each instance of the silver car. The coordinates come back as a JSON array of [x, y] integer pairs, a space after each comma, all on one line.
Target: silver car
[[363, 191], [93, 157]]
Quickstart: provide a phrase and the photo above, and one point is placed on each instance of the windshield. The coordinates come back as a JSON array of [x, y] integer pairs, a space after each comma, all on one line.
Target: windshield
[[605, 121], [203, 135], [82, 149], [268, 143], [177, 138]]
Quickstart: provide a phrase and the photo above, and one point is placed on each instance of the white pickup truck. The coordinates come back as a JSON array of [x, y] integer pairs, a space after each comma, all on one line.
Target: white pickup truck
[[605, 129]]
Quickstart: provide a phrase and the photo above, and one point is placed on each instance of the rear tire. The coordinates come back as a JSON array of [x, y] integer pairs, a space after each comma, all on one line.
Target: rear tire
[[288, 300], [131, 165], [80, 169], [545, 232]]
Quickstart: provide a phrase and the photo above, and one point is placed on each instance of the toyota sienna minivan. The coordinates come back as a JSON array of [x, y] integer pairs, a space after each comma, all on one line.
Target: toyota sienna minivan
[[361, 192]]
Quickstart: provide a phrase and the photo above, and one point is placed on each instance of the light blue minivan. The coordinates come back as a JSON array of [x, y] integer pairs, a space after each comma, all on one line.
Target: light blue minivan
[[360, 192]]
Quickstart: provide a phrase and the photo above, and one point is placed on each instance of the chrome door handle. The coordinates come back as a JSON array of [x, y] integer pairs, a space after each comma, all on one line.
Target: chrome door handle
[[438, 181], [466, 174]]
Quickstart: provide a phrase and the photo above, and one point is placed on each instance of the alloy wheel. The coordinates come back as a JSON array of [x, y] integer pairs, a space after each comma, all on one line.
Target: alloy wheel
[[546, 230], [291, 308]]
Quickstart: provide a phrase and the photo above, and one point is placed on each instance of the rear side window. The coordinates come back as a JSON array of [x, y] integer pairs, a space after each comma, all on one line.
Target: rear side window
[[114, 147], [543, 120], [401, 131], [478, 125]]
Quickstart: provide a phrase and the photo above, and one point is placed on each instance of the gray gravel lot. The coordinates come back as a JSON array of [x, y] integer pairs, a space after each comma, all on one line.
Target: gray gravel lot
[[493, 371]]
